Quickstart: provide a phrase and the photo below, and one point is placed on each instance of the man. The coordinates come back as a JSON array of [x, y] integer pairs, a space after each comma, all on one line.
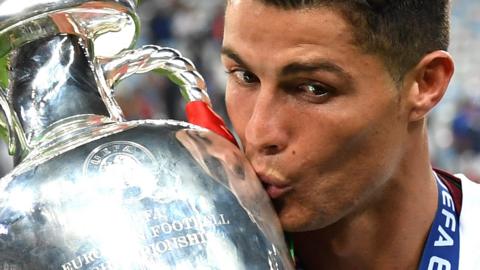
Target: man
[[330, 99]]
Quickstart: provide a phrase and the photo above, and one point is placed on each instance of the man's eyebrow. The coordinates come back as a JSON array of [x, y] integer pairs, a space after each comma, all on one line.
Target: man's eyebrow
[[296, 67], [312, 66], [230, 53]]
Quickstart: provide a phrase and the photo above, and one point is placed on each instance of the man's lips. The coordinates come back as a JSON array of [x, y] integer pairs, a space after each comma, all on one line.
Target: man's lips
[[276, 192], [273, 187]]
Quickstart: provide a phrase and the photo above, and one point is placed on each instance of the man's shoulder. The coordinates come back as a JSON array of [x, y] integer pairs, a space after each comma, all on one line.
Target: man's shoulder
[[469, 224], [464, 178], [469, 185], [470, 197]]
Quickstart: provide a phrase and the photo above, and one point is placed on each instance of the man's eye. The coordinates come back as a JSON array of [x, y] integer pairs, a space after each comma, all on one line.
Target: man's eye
[[244, 76], [315, 89]]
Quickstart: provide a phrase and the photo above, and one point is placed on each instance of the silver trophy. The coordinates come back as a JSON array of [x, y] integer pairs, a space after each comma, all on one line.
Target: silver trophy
[[92, 191]]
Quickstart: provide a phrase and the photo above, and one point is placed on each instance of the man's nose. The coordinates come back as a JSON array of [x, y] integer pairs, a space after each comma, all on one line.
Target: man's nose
[[266, 132]]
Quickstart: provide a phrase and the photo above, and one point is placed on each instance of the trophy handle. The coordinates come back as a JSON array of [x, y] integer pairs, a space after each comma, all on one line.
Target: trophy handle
[[179, 70]]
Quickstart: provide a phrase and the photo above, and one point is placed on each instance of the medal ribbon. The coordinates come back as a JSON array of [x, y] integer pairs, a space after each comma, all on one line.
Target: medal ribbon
[[442, 247]]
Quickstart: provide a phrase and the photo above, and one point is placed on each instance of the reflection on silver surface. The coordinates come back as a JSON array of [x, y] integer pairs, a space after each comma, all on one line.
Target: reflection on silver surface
[[165, 60], [92, 191], [47, 75], [22, 21], [141, 203]]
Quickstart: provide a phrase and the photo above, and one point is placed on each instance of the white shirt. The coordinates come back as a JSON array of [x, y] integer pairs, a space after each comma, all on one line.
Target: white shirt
[[469, 225]]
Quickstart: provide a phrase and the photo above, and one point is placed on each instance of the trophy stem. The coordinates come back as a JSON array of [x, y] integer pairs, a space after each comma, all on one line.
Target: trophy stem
[[52, 79]]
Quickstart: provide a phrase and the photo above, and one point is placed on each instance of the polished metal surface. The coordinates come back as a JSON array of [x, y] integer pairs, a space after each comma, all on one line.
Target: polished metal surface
[[15, 11], [22, 21], [151, 195], [165, 60], [15, 137], [51, 80], [41, 90], [91, 191]]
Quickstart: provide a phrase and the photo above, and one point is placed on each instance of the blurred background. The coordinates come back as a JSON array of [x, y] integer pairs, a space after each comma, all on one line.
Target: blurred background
[[195, 28]]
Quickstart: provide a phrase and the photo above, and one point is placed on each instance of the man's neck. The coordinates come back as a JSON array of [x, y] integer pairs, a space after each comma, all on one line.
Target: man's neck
[[388, 232]]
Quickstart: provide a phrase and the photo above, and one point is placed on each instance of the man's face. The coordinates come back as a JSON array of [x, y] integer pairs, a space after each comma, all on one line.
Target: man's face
[[321, 121]]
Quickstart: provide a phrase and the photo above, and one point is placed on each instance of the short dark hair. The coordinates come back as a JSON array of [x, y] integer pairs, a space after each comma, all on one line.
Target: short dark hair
[[400, 32]]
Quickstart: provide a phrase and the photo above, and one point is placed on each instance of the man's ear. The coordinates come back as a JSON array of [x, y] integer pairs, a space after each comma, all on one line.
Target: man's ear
[[432, 76]]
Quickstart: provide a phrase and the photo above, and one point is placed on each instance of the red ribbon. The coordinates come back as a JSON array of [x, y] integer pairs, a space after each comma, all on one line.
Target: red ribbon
[[200, 114]]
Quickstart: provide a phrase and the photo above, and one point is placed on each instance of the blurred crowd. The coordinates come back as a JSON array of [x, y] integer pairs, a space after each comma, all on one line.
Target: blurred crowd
[[195, 28]]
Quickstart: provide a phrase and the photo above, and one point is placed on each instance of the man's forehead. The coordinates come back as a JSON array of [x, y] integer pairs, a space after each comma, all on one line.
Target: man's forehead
[[257, 3], [376, 5], [307, 26], [288, 4]]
